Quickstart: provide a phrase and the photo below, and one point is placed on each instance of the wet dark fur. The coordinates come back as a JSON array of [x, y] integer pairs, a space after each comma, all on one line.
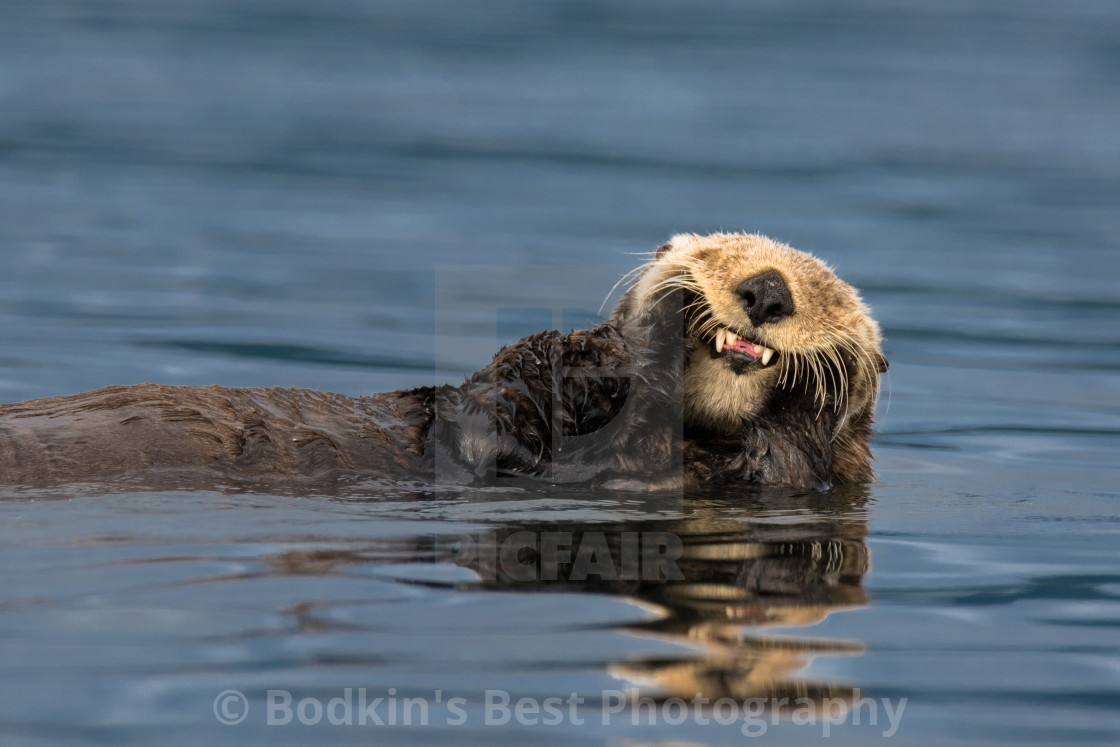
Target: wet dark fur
[[597, 406]]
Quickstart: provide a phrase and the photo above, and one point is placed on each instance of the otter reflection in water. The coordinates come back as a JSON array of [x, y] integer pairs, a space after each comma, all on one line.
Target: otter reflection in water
[[715, 582]]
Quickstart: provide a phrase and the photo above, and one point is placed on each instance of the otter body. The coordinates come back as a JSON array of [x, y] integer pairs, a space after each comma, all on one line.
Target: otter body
[[731, 358], [146, 429]]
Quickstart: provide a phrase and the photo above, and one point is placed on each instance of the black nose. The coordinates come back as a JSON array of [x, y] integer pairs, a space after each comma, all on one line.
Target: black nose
[[766, 298]]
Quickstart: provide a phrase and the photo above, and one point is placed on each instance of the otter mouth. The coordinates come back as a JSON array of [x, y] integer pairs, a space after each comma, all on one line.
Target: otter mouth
[[740, 350]]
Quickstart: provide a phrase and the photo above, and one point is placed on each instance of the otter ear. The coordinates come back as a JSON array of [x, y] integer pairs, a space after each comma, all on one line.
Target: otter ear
[[882, 362], [661, 250]]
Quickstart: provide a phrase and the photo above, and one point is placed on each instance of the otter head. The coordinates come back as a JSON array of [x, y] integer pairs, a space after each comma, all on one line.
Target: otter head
[[765, 326]]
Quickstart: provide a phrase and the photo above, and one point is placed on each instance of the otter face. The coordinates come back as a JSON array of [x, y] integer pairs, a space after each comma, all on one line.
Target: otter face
[[763, 317]]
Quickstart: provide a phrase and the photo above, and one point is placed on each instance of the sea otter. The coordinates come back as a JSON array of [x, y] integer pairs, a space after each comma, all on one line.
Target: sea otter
[[729, 358]]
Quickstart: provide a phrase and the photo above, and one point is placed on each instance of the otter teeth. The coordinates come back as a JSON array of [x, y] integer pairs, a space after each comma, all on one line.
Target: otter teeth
[[725, 338]]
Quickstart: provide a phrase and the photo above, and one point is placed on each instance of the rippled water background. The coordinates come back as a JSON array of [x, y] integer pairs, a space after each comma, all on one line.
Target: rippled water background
[[259, 193]]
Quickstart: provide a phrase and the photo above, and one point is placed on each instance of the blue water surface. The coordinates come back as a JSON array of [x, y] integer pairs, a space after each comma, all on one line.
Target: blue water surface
[[359, 196]]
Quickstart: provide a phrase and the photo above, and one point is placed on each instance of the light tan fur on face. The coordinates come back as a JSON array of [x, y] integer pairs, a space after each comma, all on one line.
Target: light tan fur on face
[[830, 340], [718, 397]]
